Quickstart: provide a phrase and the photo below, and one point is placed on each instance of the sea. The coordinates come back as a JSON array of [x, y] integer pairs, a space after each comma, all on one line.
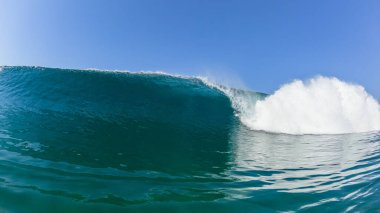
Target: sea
[[118, 141]]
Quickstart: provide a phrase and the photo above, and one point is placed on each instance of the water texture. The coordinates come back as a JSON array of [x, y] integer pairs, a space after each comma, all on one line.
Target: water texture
[[90, 140]]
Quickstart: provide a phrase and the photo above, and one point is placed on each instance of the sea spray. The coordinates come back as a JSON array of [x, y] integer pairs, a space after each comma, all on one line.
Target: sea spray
[[321, 105]]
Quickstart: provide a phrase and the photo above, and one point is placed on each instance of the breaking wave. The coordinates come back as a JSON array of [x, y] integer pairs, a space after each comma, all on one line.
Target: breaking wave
[[320, 105]]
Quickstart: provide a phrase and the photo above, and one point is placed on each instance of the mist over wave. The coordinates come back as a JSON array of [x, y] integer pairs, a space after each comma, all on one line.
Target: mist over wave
[[321, 105]]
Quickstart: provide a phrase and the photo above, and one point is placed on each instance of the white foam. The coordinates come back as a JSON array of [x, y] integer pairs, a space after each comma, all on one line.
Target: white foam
[[319, 106]]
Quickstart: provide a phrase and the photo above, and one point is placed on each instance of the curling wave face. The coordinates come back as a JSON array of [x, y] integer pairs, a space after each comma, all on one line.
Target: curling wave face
[[88, 140]]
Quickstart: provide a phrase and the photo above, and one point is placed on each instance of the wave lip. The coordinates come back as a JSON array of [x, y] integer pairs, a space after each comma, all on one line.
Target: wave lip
[[322, 105]]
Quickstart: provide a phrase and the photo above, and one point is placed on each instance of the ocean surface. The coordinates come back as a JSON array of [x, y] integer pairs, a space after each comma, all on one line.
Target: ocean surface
[[114, 141]]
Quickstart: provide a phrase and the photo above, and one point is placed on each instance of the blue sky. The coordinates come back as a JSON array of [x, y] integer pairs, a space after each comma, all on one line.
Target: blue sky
[[264, 43]]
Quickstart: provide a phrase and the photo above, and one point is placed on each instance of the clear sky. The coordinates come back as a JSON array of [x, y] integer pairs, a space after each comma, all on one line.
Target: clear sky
[[265, 43]]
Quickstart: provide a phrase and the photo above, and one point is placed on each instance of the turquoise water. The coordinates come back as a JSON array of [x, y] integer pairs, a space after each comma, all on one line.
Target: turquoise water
[[85, 141]]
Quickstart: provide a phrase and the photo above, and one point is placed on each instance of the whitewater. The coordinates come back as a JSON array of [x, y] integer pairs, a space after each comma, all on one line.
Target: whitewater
[[321, 105]]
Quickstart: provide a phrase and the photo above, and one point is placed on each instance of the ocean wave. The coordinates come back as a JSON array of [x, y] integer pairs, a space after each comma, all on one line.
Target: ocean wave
[[319, 106]]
